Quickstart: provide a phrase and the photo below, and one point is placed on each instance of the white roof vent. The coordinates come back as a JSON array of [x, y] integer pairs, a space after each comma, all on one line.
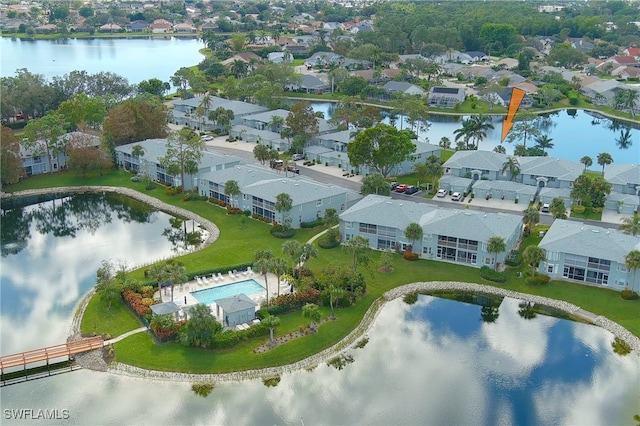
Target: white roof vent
[[595, 230]]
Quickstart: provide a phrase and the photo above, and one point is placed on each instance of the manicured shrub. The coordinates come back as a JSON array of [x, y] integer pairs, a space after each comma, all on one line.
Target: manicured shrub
[[312, 224], [409, 255], [293, 301], [233, 210], [578, 208], [191, 196], [328, 242], [282, 231], [491, 275], [628, 294], [135, 301], [597, 209], [135, 178]]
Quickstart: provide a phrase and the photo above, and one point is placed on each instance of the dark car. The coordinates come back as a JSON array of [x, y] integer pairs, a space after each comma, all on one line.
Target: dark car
[[411, 190], [394, 185]]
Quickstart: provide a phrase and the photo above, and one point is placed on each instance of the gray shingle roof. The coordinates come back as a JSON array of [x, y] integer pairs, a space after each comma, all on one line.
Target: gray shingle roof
[[238, 107], [482, 160], [165, 308], [236, 303], [622, 174], [342, 136], [580, 239], [470, 224], [555, 192], [244, 174], [265, 116], [551, 167], [301, 190], [455, 180]]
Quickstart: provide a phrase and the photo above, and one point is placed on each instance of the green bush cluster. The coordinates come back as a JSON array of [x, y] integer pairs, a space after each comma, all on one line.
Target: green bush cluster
[[328, 242], [230, 338], [192, 196], [628, 294], [292, 301], [217, 202], [172, 190], [578, 208], [280, 231], [135, 178], [312, 224], [538, 279], [491, 275], [234, 210]]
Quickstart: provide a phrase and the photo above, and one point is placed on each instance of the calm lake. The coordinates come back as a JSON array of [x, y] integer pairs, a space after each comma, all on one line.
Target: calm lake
[[575, 134], [438, 361], [136, 59]]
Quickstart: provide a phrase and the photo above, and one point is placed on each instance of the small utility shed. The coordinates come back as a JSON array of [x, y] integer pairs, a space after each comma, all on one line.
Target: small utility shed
[[236, 309], [165, 308]]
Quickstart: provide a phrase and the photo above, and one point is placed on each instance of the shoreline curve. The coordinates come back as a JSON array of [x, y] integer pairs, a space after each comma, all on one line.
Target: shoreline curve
[[347, 342]]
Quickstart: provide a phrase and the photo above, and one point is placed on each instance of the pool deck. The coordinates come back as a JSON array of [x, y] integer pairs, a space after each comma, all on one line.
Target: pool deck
[[182, 292]]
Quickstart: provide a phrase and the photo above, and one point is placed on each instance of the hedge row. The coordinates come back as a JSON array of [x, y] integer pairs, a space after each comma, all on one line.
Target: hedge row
[[491, 275]]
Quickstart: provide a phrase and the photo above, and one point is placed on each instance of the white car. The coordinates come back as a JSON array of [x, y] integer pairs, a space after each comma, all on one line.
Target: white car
[[207, 138], [456, 196], [297, 157], [545, 208], [441, 193]]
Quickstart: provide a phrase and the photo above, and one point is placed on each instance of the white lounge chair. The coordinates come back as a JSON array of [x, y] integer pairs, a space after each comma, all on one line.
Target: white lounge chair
[[199, 280], [249, 270], [233, 277], [220, 277], [245, 272], [214, 278]]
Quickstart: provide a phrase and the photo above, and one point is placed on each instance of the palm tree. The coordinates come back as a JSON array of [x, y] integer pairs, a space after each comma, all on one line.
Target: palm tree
[[279, 267], [531, 217], [512, 165], [629, 100], [311, 311], [175, 274], [283, 205], [276, 123], [137, 151], [239, 68], [335, 293], [500, 149], [232, 190], [434, 169], [496, 245], [631, 225], [604, 158], [625, 140], [532, 256], [544, 142], [157, 272], [307, 251], [263, 264], [632, 262], [292, 248], [587, 161], [271, 322], [413, 232]]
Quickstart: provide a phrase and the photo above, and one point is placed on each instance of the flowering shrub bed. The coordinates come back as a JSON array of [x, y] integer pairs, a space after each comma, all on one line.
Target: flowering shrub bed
[[137, 303], [409, 255], [628, 294], [538, 279], [217, 202], [291, 301]]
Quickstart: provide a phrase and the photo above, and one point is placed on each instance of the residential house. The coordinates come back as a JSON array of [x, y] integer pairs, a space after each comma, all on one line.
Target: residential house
[[513, 78], [503, 95], [548, 172], [474, 71], [476, 165], [632, 51], [508, 63], [446, 97], [161, 26], [580, 44], [280, 57], [589, 254], [110, 28], [309, 84], [629, 72], [184, 27], [404, 88], [377, 76], [150, 165], [452, 235], [622, 203], [46, 28], [136, 26], [260, 186], [37, 160], [247, 57], [624, 178], [184, 111], [601, 92], [452, 183]]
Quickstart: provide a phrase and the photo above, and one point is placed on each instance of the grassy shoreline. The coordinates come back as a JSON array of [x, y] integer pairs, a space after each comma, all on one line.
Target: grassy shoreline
[[236, 244]]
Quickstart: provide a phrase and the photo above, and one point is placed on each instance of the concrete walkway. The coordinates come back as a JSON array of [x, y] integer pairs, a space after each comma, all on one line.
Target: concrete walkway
[[124, 336]]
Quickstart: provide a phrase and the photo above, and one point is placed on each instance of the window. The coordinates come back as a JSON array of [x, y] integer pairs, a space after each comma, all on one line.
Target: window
[[366, 228], [550, 269], [622, 267], [341, 207], [318, 203], [573, 273]]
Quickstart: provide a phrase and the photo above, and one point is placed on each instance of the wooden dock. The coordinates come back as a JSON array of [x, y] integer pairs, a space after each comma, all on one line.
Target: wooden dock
[[66, 350]]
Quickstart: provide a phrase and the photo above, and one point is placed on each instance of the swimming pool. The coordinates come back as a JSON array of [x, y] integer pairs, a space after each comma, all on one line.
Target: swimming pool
[[210, 295]]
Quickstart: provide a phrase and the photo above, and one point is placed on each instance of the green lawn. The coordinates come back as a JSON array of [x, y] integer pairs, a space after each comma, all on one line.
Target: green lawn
[[237, 243], [588, 214]]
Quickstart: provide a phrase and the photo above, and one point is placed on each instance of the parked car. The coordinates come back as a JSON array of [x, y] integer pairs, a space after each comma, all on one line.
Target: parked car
[[402, 187], [441, 193], [456, 196], [411, 190], [297, 157], [207, 138], [545, 208], [394, 185]]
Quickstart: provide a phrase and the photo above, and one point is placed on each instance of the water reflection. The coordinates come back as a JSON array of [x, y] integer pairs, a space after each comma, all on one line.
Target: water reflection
[[51, 251], [417, 368]]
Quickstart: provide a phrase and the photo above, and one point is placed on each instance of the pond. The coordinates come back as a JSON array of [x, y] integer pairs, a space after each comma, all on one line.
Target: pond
[[136, 59], [575, 133], [53, 245], [438, 361]]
